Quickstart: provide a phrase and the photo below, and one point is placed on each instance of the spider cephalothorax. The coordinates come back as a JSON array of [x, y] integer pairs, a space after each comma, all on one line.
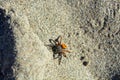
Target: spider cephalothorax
[[58, 48]]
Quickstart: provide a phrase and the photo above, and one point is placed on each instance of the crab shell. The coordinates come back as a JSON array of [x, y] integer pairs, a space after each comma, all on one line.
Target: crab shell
[[64, 46]]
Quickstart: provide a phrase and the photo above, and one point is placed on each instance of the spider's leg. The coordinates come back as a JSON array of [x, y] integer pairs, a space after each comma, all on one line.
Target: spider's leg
[[53, 42], [63, 53], [54, 56], [59, 39], [66, 51], [50, 45], [59, 58]]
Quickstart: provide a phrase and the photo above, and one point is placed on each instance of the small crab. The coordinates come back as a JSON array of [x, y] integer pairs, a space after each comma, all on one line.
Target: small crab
[[58, 48]]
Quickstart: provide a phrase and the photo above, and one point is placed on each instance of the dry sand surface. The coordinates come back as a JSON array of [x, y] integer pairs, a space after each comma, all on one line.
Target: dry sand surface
[[89, 28]]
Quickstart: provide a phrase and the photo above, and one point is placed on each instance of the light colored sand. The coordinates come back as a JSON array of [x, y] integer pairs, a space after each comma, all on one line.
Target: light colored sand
[[89, 28]]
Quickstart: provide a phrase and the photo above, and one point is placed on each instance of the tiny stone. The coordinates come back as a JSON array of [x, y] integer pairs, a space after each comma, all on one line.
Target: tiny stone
[[68, 34], [77, 34], [82, 57], [85, 63]]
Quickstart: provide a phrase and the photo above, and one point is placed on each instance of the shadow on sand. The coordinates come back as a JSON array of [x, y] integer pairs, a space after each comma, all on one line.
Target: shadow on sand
[[116, 76], [7, 47]]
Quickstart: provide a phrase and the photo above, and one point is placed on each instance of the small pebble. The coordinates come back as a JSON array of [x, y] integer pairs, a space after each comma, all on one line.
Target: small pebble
[[85, 63], [77, 34], [82, 57]]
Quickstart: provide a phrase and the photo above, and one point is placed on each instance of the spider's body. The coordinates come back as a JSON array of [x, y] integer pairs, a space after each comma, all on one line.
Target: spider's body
[[58, 48]]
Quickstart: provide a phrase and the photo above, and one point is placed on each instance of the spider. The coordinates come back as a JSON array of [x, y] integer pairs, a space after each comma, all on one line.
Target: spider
[[58, 48]]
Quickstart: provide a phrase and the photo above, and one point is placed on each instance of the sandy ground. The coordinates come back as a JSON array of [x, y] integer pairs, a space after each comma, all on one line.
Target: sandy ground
[[90, 29]]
